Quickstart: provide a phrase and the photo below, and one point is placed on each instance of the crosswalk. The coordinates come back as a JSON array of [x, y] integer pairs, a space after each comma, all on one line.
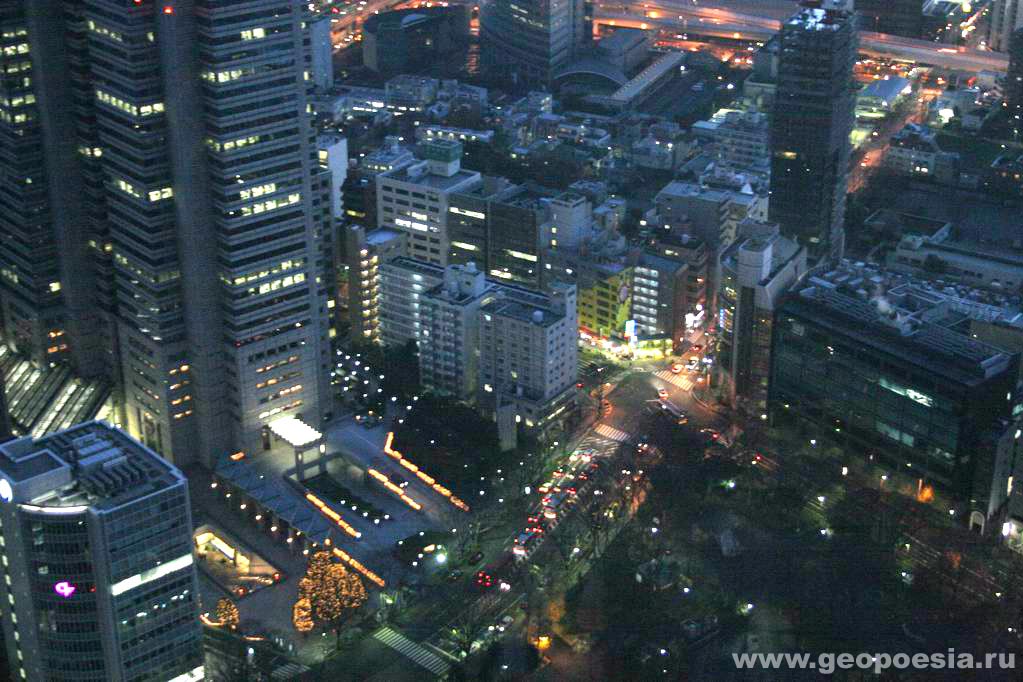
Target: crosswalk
[[612, 433], [681, 380], [414, 652]]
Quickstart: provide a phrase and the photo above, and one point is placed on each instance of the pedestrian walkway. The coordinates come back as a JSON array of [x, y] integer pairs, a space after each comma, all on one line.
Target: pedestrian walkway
[[612, 433], [415, 652], [681, 380]]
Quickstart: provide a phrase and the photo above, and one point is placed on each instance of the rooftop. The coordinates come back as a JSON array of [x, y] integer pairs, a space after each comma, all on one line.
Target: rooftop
[[420, 176], [90, 465]]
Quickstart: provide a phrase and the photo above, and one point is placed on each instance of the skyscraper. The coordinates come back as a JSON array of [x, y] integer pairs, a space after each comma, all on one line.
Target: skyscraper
[[810, 126], [97, 560], [172, 139], [530, 39], [1006, 18]]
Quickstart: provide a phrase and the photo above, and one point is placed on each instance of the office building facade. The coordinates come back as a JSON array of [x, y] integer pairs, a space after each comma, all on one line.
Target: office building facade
[[97, 560], [810, 126], [187, 161], [886, 375], [530, 41], [1006, 17], [756, 272], [414, 199]]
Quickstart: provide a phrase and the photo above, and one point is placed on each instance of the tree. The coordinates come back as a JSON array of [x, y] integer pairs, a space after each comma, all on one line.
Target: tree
[[227, 613], [330, 591], [302, 615]]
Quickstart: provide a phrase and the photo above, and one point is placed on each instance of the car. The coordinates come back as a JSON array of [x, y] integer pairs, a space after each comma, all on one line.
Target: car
[[662, 393], [398, 481], [697, 347], [711, 433], [455, 575], [579, 384], [677, 368]]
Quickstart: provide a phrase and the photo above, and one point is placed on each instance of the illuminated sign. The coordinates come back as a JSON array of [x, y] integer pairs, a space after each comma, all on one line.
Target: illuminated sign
[[64, 589], [6, 492]]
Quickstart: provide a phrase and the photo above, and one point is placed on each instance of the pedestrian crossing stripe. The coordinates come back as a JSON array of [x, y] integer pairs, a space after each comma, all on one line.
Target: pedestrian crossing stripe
[[680, 380], [612, 433], [414, 652]]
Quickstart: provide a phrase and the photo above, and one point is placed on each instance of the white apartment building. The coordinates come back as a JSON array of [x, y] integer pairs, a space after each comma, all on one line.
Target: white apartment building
[[528, 344]]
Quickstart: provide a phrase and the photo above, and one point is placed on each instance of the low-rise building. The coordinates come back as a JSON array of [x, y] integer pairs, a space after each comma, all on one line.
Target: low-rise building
[[887, 372], [914, 151], [938, 255]]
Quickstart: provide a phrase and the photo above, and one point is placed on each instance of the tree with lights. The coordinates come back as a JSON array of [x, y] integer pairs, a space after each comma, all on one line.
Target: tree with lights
[[302, 615], [331, 592], [227, 614]]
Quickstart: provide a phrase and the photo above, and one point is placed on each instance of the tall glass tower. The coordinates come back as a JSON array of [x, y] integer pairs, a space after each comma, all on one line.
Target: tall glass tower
[[529, 40], [191, 193], [810, 126]]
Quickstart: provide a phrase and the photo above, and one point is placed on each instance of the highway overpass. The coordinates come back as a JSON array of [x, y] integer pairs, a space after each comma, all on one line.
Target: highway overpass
[[719, 23]]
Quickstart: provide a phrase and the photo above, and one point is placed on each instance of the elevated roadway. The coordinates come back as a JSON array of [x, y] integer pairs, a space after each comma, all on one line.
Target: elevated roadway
[[721, 23]]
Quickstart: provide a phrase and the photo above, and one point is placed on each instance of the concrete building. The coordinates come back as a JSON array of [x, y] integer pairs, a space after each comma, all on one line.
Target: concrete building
[[887, 371], [148, 120], [529, 42], [321, 49], [756, 272], [881, 97], [97, 560], [896, 17], [914, 152], [626, 49], [403, 283], [659, 297], [937, 253], [811, 122], [1006, 17], [481, 339], [359, 192], [528, 344], [366, 252], [449, 332], [741, 138], [414, 199], [333, 155], [500, 226]]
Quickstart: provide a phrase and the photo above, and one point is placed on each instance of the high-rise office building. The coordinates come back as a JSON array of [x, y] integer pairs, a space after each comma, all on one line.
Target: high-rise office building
[[529, 41], [1014, 83], [172, 139], [896, 17], [1006, 17], [97, 560], [810, 126], [52, 303]]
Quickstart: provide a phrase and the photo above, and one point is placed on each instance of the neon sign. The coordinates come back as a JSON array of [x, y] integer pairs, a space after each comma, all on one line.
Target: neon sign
[[64, 589]]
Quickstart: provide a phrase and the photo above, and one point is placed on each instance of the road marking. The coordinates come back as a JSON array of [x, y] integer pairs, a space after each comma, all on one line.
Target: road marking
[[611, 432], [412, 651], [680, 380]]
